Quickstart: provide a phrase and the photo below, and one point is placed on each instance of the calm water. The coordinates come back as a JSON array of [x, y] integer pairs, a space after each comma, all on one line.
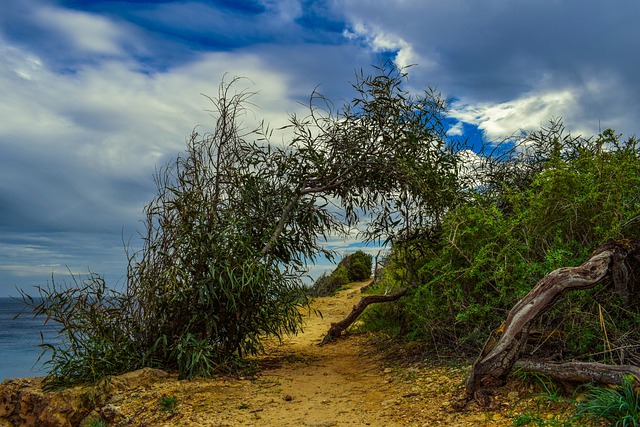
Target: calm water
[[19, 339]]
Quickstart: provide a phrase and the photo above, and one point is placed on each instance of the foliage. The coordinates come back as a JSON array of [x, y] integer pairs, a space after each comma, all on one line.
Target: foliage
[[95, 422], [236, 218], [168, 403], [384, 156], [95, 334], [529, 418], [391, 318], [562, 198], [552, 408], [598, 406], [329, 284], [353, 267], [620, 406], [358, 265]]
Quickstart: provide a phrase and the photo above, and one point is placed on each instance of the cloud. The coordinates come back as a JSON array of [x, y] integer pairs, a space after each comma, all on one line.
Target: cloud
[[87, 32], [596, 104], [79, 151], [496, 53], [500, 120], [380, 41]]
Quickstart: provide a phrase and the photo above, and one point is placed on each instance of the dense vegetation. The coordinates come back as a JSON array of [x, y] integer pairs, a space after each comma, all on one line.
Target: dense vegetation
[[470, 231], [353, 268], [545, 203], [235, 220]]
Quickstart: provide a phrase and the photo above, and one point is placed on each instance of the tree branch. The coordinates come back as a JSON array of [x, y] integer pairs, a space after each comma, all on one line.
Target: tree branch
[[336, 329], [580, 371]]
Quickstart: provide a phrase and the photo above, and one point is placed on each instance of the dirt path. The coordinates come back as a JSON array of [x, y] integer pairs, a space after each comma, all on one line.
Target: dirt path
[[345, 383]]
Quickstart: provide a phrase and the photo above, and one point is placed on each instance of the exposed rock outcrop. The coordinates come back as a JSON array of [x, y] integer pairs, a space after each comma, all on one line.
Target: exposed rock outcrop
[[24, 403]]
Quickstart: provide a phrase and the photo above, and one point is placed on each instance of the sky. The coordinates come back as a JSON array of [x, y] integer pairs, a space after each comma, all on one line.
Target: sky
[[95, 95]]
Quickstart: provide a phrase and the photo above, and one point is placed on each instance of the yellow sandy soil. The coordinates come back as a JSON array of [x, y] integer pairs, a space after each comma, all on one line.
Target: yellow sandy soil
[[345, 383]]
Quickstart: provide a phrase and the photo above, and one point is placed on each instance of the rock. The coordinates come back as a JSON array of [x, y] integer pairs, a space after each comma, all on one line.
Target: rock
[[23, 402], [135, 379], [111, 414]]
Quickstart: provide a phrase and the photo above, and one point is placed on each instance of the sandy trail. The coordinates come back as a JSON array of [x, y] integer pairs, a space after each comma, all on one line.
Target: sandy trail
[[345, 383]]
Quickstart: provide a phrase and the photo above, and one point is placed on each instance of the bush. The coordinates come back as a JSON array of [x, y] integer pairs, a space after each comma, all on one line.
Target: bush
[[358, 266], [327, 285], [354, 267], [209, 283], [619, 406], [494, 247]]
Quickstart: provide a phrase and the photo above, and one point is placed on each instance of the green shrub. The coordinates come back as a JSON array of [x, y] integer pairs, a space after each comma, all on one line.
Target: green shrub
[[492, 248], [359, 266], [168, 404], [340, 276], [352, 268], [95, 422], [327, 285], [619, 406]]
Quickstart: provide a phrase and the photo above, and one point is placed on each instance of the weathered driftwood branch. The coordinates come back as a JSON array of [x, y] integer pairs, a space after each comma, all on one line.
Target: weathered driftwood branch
[[617, 260], [581, 372], [336, 329]]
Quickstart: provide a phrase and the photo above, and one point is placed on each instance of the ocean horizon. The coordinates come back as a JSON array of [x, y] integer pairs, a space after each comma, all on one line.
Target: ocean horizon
[[19, 340]]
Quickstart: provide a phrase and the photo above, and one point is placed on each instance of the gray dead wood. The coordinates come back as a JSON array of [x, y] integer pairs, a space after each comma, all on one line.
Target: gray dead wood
[[580, 372], [618, 261]]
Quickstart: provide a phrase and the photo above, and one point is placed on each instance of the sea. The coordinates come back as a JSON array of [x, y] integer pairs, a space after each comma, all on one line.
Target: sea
[[19, 340]]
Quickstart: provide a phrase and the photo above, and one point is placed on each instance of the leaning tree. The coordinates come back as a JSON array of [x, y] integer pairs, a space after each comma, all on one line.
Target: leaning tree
[[236, 218]]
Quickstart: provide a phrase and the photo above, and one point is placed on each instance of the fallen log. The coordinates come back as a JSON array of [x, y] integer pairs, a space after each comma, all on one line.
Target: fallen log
[[336, 329], [580, 372], [616, 260]]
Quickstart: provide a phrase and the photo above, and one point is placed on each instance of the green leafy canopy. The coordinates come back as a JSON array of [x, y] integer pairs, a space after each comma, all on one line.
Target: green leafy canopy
[[236, 218]]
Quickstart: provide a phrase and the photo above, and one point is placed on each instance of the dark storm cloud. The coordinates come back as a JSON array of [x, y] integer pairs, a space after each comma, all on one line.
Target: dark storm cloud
[[96, 94], [500, 51]]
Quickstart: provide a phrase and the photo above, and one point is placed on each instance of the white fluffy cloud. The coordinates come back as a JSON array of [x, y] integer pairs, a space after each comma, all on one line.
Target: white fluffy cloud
[[380, 41], [499, 120], [117, 119], [89, 33]]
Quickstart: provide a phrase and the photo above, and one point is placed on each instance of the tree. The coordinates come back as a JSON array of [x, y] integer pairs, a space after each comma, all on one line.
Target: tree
[[542, 203], [236, 218], [359, 266]]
